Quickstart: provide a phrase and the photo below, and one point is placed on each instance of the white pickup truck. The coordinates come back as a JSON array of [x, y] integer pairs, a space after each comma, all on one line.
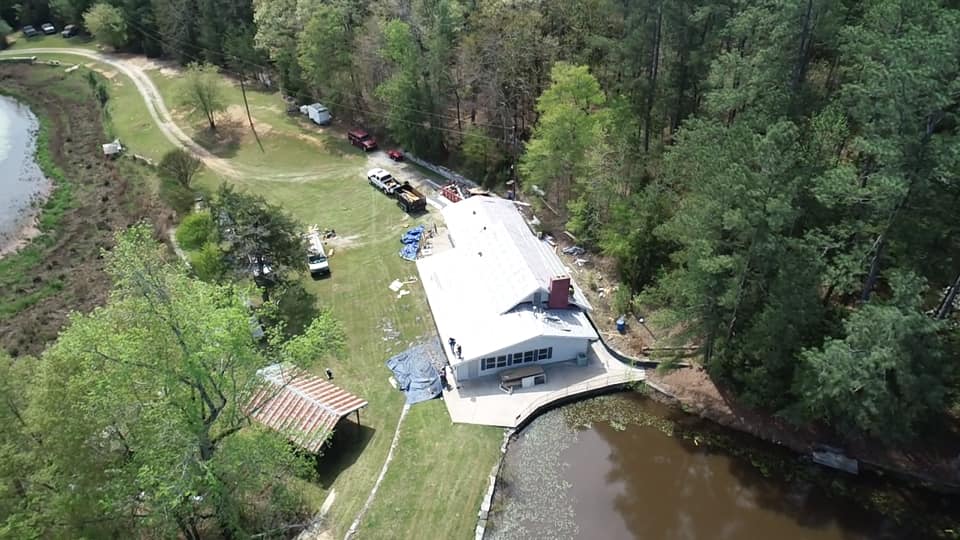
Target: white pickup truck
[[383, 181], [316, 256]]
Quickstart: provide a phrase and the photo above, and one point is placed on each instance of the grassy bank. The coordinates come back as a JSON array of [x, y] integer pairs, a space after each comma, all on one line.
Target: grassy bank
[[61, 270], [15, 269]]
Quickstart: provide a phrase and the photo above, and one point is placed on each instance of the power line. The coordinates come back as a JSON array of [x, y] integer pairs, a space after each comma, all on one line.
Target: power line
[[340, 105], [261, 67]]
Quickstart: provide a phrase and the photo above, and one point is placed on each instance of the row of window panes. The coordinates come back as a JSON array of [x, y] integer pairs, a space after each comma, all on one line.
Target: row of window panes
[[513, 359]]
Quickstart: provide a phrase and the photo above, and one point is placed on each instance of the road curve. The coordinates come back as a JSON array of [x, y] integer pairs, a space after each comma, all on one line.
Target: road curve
[[154, 102]]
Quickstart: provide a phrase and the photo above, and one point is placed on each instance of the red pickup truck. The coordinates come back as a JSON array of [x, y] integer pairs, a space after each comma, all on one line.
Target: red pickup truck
[[361, 139]]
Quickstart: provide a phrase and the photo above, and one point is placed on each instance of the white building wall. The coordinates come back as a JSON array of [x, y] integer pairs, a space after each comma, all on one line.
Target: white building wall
[[563, 349]]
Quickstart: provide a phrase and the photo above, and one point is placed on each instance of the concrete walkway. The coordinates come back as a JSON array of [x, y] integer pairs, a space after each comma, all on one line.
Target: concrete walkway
[[481, 401]]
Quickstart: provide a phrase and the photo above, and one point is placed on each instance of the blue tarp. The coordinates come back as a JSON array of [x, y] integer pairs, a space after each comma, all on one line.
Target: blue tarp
[[415, 371], [411, 243]]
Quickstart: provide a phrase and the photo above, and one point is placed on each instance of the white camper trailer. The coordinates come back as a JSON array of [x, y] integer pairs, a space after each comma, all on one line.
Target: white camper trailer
[[318, 113]]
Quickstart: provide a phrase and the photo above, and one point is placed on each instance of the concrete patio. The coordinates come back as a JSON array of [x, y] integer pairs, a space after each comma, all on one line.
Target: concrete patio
[[481, 401]]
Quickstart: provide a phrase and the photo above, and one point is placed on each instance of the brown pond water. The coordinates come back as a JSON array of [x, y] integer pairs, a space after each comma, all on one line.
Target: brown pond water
[[607, 468]]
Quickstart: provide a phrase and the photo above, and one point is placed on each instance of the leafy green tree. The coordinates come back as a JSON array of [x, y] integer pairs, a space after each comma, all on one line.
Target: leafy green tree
[[19, 517], [5, 31], [202, 89], [480, 153], [886, 375], [405, 95], [571, 123], [176, 22], [157, 441], [278, 23], [259, 238], [196, 230], [180, 166], [207, 263], [107, 25], [324, 53], [504, 60], [70, 11]]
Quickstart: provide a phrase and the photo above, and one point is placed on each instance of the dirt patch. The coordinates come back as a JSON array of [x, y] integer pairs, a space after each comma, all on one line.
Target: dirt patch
[[343, 242], [66, 270], [237, 115], [108, 74], [166, 68]]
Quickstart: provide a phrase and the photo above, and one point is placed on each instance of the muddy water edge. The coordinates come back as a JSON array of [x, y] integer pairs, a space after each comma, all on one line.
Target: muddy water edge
[[22, 184], [624, 466]]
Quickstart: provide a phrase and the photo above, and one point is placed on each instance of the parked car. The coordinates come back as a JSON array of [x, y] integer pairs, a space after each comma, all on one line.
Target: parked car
[[395, 154], [29, 31], [362, 140], [69, 31], [48, 28]]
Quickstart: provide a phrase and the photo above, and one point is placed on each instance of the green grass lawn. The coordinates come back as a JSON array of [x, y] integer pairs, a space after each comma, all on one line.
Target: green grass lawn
[[127, 115], [440, 470], [52, 41]]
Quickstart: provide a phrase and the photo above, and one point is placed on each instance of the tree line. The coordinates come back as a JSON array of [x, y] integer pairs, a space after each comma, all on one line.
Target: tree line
[[777, 177]]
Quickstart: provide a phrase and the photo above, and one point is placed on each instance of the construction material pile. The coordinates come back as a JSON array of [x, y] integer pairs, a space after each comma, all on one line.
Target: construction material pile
[[411, 243]]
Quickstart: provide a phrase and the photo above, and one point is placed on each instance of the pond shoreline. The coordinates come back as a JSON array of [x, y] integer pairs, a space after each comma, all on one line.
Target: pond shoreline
[[902, 506], [802, 443], [31, 229], [25, 220]]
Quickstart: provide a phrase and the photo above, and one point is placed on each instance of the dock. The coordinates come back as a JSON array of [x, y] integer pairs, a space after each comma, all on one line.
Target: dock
[[481, 401]]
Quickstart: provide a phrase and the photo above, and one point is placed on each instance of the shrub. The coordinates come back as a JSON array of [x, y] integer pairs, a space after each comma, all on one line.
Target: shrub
[[107, 24], [196, 230], [207, 262], [622, 300], [180, 166], [176, 196]]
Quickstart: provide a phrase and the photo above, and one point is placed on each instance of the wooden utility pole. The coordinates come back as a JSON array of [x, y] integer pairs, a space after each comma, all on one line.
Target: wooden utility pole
[[243, 90]]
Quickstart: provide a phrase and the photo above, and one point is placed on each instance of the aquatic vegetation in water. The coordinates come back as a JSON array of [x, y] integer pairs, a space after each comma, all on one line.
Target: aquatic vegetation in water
[[532, 478]]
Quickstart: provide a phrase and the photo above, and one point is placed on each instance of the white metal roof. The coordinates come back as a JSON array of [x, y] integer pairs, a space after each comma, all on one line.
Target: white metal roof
[[481, 290]]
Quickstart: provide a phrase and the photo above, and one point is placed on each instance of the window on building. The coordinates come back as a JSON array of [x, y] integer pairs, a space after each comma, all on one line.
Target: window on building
[[489, 363], [545, 354], [502, 361], [529, 356]]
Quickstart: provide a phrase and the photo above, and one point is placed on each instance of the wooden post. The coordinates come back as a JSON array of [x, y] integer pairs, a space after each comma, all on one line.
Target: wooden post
[[243, 90]]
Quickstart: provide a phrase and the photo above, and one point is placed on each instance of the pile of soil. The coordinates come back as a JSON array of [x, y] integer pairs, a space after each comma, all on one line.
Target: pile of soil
[[102, 202]]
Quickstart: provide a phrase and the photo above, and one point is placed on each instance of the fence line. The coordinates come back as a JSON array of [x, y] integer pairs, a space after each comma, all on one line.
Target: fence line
[[578, 388], [441, 171]]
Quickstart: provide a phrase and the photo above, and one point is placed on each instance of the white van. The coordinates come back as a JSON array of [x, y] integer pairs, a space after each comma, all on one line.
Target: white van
[[318, 113], [316, 257]]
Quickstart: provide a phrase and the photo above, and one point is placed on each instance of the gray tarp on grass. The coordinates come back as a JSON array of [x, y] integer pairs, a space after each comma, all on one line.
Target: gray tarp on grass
[[416, 372]]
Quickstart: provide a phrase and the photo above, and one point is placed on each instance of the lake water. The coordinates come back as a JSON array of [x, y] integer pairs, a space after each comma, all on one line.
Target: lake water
[[22, 183], [609, 468]]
